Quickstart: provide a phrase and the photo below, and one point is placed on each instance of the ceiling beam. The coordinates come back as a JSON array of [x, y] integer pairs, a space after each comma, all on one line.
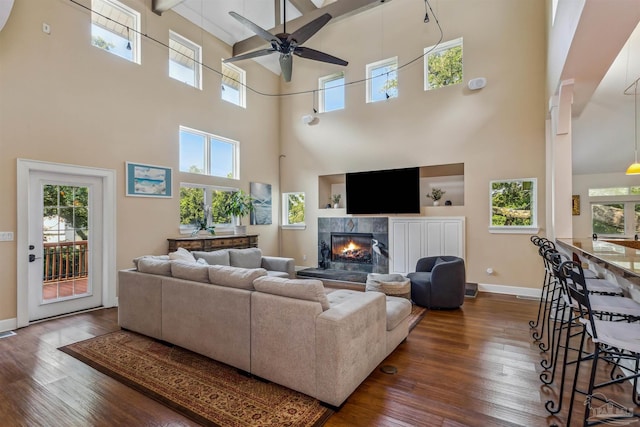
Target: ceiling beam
[[338, 9], [304, 6], [161, 6]]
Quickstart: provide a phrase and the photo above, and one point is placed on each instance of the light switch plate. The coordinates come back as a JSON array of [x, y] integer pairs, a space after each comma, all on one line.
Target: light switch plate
[[6, 236]]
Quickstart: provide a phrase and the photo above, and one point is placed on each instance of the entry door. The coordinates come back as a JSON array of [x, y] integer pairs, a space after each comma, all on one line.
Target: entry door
[[65, 244]]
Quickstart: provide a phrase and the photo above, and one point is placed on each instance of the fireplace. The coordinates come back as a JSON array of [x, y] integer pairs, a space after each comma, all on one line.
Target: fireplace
[[351, 248], [353, 244]]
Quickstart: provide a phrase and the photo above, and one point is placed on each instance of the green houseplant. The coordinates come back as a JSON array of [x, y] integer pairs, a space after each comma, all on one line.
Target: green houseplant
[[436, 194], [335, 199], [239, 204]]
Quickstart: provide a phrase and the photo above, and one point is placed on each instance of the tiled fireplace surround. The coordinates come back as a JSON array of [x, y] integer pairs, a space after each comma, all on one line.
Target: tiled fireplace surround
[[362, 230]]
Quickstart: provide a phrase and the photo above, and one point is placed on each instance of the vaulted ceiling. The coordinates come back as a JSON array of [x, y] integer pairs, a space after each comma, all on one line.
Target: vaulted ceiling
[[603, 132]]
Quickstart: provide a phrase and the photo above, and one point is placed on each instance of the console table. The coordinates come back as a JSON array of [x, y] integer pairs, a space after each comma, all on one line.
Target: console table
[[214, 243]]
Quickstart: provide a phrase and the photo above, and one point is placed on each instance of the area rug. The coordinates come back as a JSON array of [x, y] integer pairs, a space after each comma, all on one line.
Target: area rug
[[417, 313], [208, 392]]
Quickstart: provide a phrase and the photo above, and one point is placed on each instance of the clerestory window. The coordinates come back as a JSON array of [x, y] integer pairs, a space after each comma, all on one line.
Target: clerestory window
[[115, 28], [185, 60]]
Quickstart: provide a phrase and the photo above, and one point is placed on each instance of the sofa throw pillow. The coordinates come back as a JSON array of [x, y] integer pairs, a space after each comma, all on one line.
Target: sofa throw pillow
[[235, 277], [153, 265], [306, 289], [220, 257], [182, 255], [246, 258], [160, 257], [190, 271]]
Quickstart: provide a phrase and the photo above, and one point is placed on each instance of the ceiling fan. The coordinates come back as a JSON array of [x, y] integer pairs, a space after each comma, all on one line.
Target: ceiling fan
[[288, 44]]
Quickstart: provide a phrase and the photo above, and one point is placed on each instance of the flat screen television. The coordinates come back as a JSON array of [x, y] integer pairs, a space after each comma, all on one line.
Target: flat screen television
[[391, 191]]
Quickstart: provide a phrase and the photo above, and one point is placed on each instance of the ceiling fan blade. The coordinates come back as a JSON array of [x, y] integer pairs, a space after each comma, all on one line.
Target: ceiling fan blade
[[316, 55], [250, 55], [255, 28], [286, 65], [305, 32]]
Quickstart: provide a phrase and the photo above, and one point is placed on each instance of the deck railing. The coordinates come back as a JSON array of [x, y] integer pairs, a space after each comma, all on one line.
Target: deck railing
[[65, 260]]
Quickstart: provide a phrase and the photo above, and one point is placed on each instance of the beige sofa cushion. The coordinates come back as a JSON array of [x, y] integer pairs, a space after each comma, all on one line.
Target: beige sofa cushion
[[153, 265], [245, 258], [234, 277], [220, 257], [182, 255], [398, 309], [305, 289], [159, 257], [190, 271]]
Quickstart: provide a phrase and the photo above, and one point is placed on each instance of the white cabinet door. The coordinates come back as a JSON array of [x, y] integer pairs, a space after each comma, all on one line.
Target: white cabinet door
[[413, 238], [398, 234]]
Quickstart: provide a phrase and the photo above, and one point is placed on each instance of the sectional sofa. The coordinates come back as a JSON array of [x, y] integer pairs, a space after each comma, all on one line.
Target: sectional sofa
[[289, 331]]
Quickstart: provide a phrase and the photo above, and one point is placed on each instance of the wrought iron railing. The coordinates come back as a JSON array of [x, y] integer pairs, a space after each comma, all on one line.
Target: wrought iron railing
[[65, 260]]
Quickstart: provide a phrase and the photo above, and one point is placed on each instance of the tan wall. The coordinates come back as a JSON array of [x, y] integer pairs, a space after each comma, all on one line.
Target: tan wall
[[497, 132], [62, 100]]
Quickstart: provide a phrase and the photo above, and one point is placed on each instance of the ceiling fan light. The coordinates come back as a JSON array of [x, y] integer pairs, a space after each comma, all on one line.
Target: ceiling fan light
[[634, 169]]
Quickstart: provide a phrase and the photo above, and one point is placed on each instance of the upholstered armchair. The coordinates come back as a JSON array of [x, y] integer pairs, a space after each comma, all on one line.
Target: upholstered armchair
[[438, 282]]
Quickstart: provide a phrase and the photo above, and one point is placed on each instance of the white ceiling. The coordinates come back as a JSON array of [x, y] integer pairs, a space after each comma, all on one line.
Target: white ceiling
[[603, 133]]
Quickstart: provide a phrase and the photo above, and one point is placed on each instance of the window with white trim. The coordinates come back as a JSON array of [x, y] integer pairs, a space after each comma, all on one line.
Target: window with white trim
[[513, 206], [201, 207], [382, 80], [615, 211], [331, 92], [443, 64], [293, 210], [115, 28], [233, 85], [185, 60], [208, 154]]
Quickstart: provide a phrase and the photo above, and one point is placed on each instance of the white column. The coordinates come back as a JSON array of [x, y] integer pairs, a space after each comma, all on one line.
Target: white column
[[559, 167]]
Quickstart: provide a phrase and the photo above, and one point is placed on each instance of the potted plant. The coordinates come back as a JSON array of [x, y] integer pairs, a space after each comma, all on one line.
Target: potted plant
[[335, 199], [239, 204], [436, 194]]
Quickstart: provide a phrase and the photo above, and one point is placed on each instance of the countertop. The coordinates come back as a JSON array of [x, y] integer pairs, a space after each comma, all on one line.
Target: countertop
[[615, 256]]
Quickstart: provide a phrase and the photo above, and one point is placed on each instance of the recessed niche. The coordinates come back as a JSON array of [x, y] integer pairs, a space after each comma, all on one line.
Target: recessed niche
[[449, 178]]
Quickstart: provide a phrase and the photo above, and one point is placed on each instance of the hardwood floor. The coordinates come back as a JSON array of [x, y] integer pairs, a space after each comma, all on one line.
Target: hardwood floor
[[477, 366]]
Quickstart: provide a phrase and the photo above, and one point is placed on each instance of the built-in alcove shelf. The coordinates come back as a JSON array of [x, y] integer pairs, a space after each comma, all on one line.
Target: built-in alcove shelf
[[449, 178]]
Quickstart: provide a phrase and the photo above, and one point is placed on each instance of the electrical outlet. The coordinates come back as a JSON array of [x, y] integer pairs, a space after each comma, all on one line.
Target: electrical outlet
[[6, 236]]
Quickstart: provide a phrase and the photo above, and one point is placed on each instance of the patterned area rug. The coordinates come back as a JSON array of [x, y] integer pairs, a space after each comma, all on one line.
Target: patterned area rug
[[417, 313], [209, 392]]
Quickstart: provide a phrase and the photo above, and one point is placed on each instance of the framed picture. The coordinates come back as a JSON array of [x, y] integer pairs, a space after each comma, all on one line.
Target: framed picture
[[148, 180], [575, 204], [261, 195]]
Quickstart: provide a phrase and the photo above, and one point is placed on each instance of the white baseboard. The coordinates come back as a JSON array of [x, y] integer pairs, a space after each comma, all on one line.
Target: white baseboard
[[8, 325], [509, 290]]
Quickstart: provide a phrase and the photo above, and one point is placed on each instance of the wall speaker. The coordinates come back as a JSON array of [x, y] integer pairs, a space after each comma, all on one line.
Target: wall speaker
[[477, 83]]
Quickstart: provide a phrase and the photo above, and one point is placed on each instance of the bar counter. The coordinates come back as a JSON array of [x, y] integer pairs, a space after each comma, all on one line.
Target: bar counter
[[620, 257]]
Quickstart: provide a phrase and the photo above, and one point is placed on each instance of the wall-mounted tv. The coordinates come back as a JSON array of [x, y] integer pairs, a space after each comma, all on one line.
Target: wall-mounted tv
[[391, 191]]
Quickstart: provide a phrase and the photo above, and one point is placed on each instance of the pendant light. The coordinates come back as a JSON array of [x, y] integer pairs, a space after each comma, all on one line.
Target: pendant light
[[634, 169]]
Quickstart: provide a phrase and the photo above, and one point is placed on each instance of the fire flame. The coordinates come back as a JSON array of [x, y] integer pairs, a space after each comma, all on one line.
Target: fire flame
[[350, 247]]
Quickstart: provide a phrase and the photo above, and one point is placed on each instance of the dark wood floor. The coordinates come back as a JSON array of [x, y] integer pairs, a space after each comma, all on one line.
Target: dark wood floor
[[477, 366]]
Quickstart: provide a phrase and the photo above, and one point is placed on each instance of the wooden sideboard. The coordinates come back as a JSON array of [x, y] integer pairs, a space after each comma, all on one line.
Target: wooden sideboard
[[214, 243]]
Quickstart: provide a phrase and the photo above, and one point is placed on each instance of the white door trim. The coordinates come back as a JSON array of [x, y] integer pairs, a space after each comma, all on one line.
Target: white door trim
[[108, 176]]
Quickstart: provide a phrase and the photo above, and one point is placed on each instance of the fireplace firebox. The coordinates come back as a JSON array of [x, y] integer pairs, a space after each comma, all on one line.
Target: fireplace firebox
[[351, 248]]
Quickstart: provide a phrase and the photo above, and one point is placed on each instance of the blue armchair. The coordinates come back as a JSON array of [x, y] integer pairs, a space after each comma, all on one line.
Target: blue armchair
[[438, 282]]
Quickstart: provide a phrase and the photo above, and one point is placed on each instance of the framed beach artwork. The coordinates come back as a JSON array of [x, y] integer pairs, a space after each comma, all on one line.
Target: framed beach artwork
[[148, 180], [261, 195]]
